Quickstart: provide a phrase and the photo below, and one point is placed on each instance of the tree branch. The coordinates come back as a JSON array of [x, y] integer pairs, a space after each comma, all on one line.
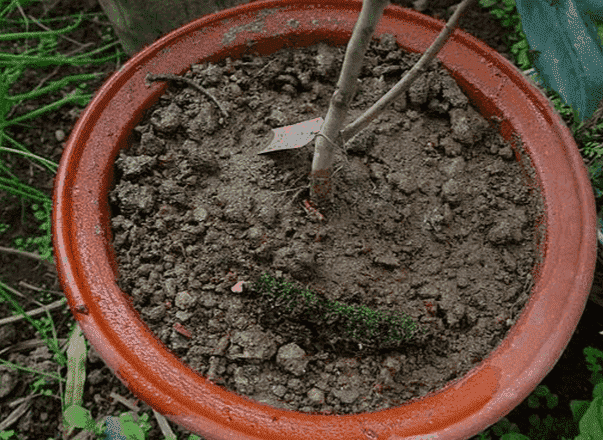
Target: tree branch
[[404, 84], [371, 13]]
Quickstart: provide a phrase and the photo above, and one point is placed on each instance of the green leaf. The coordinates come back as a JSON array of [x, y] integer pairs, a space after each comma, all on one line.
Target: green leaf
[[519, 29], [533, 401], [552, 401], [502, 426], [517, 47], [498, 13], [591, 425], [523, 59], [507, 22], [509, 4], [129, 427], [578, 408], [570, 57], [76, 368], [542, 390], [487, 3], [594, 360], [79, 417], [548, 421]]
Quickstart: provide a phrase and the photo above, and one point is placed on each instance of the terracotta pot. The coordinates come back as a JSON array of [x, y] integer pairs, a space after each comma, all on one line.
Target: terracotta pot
[[87, 268]]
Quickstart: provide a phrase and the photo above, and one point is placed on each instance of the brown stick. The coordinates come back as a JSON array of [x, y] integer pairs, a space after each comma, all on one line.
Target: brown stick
[[170, 77], [404, 84], [325, 144]]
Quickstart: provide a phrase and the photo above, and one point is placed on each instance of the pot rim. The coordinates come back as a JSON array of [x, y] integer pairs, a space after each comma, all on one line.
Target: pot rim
[[88, 271]]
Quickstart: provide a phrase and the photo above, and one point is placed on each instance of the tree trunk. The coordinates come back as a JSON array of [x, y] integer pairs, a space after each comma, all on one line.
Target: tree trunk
[[138, 23]]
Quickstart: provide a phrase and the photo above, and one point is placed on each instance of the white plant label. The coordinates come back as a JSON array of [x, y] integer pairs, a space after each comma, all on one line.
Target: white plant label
[[293, 136]]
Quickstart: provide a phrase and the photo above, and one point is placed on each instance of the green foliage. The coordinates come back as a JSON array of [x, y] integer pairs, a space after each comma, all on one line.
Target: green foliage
[[40, 50], [505, 427], [506, 12], [80, 417], [41, 208], [126, 426], [360, 323], [514, 436], [39, 387], [566, 50], [542, 391], [591, 423], [12, 69], [41, 325], [41, 55], [43, 242], [586, 416], [594, 358], [590, 141]]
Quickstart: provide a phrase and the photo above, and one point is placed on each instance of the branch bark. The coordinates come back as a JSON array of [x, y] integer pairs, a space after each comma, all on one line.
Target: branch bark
[[404, 84], [329, 136]]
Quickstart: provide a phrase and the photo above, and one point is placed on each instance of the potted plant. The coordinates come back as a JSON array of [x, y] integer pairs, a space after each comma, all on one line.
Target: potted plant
[[88, 271]]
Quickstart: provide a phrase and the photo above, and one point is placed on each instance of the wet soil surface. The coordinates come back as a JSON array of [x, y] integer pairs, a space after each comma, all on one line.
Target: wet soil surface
[[432, 223]]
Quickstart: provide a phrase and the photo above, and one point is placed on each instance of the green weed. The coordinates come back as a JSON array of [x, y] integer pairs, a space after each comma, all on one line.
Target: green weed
[[44, 327], [362, 324], [587, 416]]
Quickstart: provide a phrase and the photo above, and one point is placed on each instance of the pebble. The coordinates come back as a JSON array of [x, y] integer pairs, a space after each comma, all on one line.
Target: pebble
[[255, 344], [451, 191], [506, 153], [200, 214], [347, 395], [292, 358], [316, 395], [156, 313], [279, 390]]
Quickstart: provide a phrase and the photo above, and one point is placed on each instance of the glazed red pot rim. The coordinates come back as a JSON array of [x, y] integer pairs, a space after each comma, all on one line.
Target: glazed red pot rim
[[87, 268]]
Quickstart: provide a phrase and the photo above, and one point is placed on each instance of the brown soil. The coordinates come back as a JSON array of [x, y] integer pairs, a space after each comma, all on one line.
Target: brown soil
[[431, 218]]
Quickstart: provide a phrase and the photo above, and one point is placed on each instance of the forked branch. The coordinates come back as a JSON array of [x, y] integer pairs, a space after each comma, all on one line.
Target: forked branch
[[332, 135]]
